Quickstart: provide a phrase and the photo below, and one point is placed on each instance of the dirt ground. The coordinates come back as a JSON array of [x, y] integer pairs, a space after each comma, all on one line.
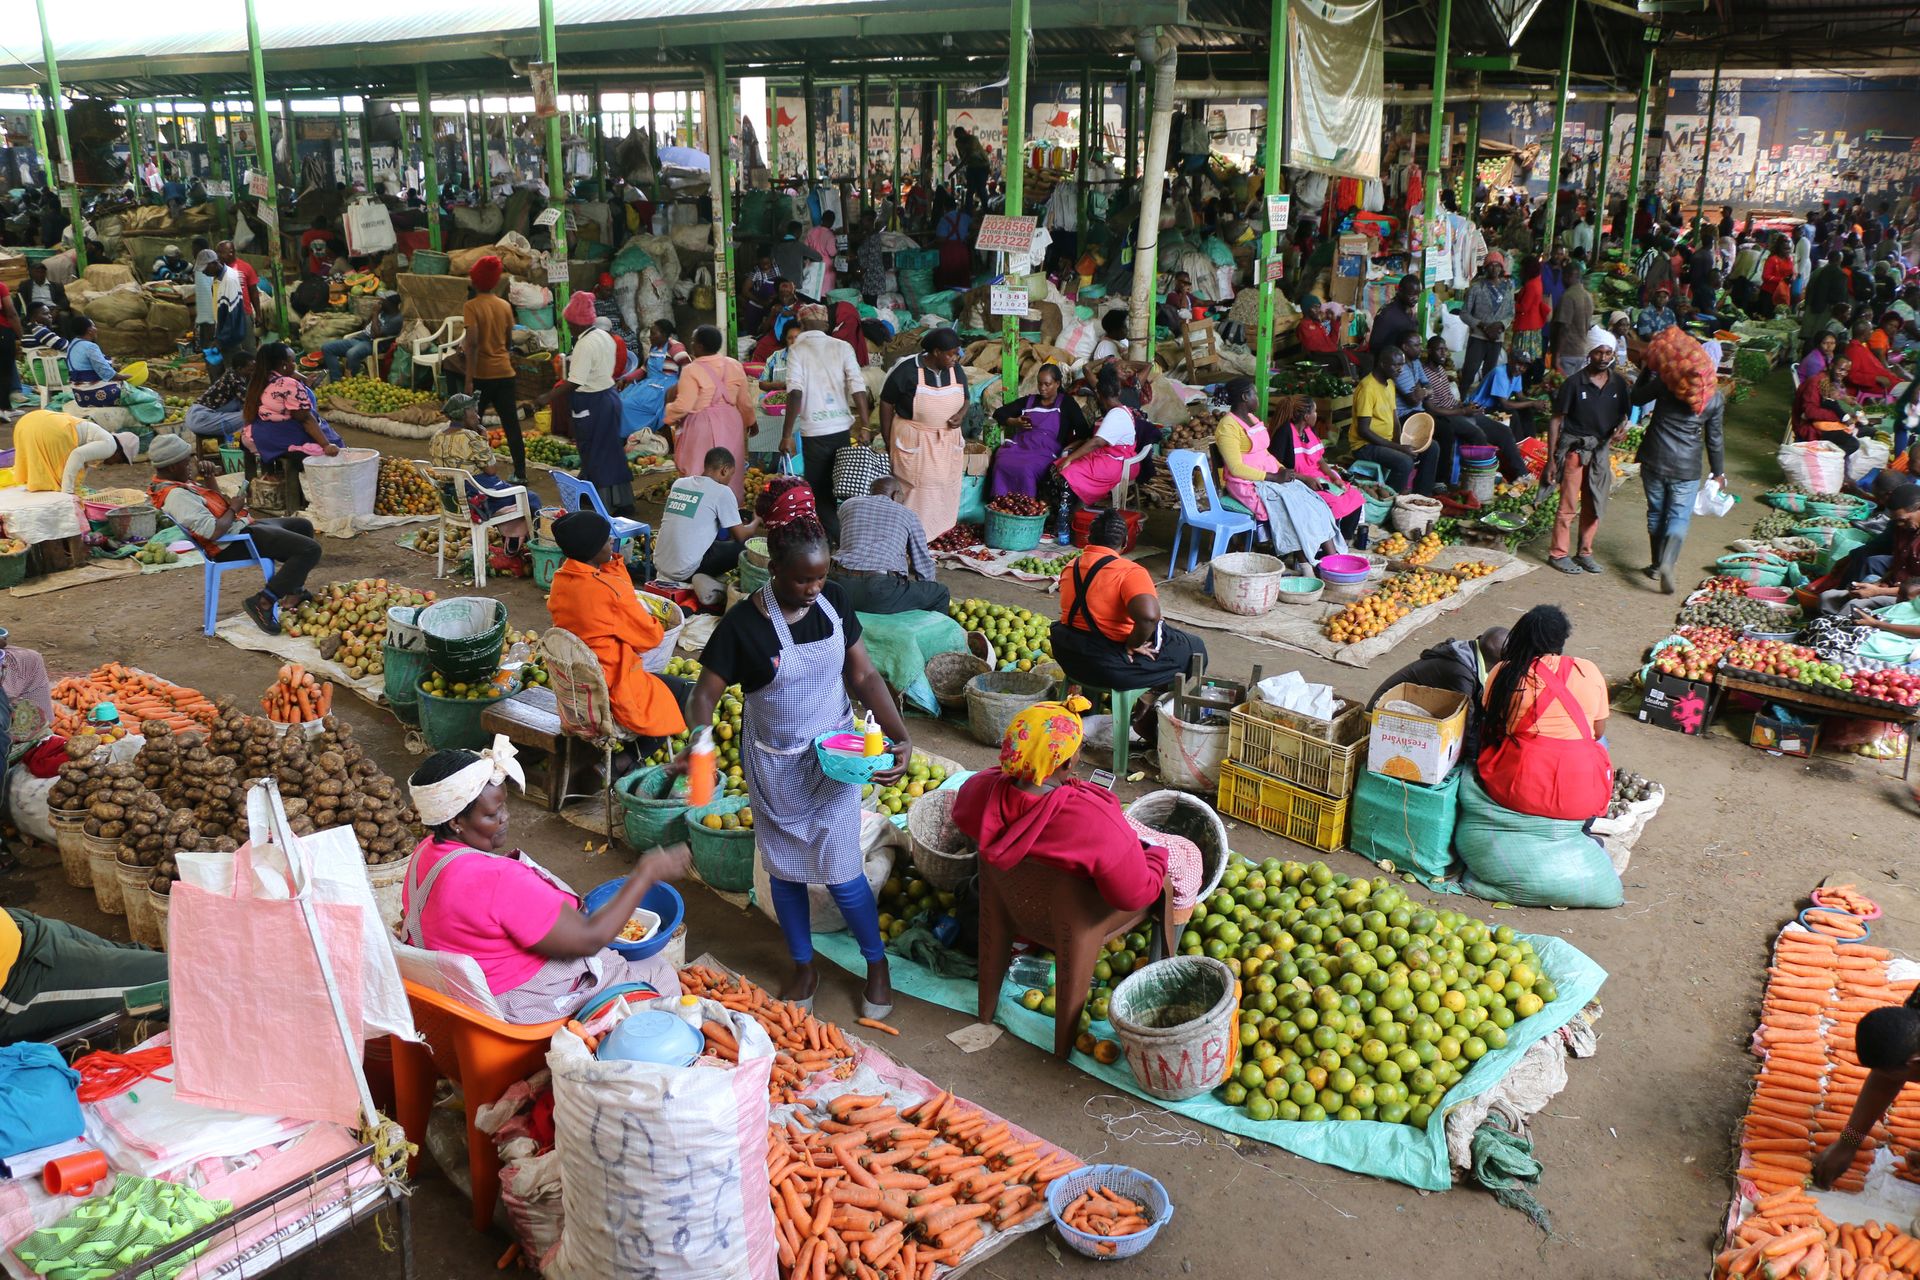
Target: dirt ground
[[1637, 1149]]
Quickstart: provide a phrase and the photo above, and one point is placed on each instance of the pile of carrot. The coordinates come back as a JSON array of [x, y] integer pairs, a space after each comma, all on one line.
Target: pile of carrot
[[1786, 1237], [873, 1192], [1847, 897], [1105, 1212], [1835, 922], [295, 697], [802, 1043], [138, 697]]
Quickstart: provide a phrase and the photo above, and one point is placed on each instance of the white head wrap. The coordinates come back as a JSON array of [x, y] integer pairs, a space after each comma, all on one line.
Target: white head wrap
[[447, 799]]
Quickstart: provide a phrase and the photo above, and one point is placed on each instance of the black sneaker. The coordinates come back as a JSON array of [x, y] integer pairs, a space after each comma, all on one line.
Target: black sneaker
[[260, 609]]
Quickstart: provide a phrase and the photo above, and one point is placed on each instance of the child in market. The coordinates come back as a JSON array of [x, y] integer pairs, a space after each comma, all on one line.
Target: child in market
[[463, 445]]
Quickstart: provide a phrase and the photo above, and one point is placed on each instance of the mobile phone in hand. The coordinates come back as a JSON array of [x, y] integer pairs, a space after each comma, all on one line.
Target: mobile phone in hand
[[1103, 778]]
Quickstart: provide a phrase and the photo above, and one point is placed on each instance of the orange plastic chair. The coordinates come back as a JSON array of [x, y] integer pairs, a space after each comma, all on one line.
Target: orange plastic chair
[[482, 1055]]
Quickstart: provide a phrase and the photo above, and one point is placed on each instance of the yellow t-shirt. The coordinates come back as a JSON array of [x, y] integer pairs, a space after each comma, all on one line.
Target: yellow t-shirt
[[1373, 399], [9, 946]]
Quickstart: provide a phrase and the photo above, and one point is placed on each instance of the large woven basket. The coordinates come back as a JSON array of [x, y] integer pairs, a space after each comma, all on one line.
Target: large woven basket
[[942, 853], [948, 674], [994, 698]]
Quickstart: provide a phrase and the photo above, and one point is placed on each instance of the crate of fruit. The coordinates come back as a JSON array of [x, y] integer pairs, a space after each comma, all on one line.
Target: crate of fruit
[[1281, 750]]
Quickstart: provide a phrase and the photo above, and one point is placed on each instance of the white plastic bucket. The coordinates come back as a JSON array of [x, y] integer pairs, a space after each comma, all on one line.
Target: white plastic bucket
[[1190, 754]]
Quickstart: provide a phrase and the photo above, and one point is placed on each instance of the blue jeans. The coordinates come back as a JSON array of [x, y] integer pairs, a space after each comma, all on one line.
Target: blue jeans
[[1669, 505], [225, 423], [354, 352], [856, 903]]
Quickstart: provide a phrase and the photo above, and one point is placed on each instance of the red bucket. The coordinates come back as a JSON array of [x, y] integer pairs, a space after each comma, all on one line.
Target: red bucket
[[1083, 521]]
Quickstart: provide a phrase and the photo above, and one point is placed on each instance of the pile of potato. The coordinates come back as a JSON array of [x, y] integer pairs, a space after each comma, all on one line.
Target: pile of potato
[[85, 769]]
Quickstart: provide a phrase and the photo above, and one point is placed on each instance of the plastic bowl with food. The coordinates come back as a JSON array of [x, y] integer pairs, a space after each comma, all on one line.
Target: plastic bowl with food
[[640, 926]]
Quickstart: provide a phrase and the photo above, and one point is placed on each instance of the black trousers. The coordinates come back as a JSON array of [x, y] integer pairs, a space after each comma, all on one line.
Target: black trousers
[[1478, 428], [498, 393], [721, 557], [9, 367], [1481, 356], [816, 460], [290, 544], [892, 593], [1095, 660]]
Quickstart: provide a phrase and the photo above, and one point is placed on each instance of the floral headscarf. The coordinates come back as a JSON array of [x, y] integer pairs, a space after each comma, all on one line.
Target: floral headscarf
[[1041, 739]]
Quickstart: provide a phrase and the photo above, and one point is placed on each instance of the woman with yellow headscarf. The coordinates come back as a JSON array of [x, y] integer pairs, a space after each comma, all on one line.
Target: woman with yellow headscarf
[[1031, 805]]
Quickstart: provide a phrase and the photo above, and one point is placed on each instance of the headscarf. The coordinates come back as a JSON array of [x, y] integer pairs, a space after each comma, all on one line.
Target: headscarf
[[591, 366], [794, 503], [811, 311], [485, 274], [458, 405], [579, 309], [581, 533], [443, 801], [167, 450], [1042, 738]]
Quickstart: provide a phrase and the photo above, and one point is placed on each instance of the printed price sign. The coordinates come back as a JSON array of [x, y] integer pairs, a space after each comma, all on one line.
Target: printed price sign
[[1000, 233], [840, 242], [259, 186], [269, 214], [1279, 210], [548, 216], [558, 271], [1008, 302], [1276, 267], [219, 190], [1430, 266]]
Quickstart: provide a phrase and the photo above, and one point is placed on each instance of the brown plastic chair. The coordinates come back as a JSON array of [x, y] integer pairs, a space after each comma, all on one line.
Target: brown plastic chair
[[1060, 910]]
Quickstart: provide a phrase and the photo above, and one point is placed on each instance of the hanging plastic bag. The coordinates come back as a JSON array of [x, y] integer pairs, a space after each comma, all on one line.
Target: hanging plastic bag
[[1713, 500]]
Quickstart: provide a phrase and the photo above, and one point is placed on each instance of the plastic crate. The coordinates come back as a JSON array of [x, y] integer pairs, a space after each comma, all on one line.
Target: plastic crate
[[1302, 816], [1281, 750], [1349, 719]]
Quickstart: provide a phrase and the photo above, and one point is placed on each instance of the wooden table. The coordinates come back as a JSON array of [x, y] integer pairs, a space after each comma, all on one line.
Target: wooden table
[[1801, 696]]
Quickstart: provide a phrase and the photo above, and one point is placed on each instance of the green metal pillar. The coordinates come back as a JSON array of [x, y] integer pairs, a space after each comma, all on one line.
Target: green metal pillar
[[720, 125], [1130, 120], [1153, 254], [1437, 152], [132, 107], [1706, 148], [599, 145], [556, 173], [366, 144], [813, 168], [218, 167], [1016, 129], [1639, 142], [40, 140], [66, 148], [264, 162], [865, 185], [429, 158], [1080, 162], [1270, 238], [1470, 176], [346, 142], [938, 165], [893, 87], [1606, 160], [1559, 129]]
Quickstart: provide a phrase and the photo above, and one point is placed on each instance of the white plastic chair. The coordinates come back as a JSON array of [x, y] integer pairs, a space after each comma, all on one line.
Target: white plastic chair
[[431, 351], [454, 485], [1122, 496], [49, 369]]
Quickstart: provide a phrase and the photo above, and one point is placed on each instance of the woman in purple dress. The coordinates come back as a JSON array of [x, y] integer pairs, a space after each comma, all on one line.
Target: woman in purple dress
[[1039, 428]]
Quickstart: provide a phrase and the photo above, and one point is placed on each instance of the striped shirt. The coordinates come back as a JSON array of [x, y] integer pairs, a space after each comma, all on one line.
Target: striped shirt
[[878, 535]]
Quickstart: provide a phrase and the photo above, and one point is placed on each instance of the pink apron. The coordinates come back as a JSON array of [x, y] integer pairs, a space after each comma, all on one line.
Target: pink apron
[[1092, 476], [929, 455], [1308, 452], [716, 424], [1259, 455]]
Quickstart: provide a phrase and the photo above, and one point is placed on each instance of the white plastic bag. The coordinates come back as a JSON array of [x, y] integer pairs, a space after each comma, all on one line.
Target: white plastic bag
[[1814, 464], [1290, 691], [1872, 454], [369, 228], [664, 1170], [1712, 500]]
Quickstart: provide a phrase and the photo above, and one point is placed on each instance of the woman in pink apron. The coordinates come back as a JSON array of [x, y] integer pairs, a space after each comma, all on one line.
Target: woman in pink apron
[[1299, 446], [921, 408], [465, 893], [712, 405], [1094, 467], [1283, 498]]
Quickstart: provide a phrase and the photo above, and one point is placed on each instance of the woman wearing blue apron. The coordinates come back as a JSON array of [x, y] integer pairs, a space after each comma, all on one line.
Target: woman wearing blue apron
[[794, 648]]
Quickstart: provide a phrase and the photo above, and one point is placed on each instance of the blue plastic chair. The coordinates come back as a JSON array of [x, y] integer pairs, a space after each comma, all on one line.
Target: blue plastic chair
[[1214, 518], [578, 495], [210, 576]]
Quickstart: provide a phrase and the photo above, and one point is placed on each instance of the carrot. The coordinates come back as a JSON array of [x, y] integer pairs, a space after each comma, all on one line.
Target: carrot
[[877, 1025]]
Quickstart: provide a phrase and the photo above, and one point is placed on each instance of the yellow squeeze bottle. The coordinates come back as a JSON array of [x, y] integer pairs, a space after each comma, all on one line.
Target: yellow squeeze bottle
[[700, 769], [875, 742]]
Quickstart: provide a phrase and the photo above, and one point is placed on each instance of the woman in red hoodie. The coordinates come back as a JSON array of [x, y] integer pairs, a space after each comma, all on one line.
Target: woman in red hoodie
[[1031, 805]]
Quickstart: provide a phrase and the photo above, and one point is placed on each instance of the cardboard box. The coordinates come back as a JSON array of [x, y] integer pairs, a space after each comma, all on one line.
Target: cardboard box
[[977, 459], [1416, 746], [1784, 735], [1350, 259], [1676, 704]]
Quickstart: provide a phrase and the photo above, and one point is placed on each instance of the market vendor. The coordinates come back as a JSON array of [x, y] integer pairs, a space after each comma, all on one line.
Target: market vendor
[[701, 533], [828, 406], [922, 404], [351, 351], [281, 414], [1316, 338], [170, 267], [883, 564], [1376, 428], [1589, 416], [712, 407], [595, 419], [1887, 568], [1545, 714], [1031, 805], [486, 358], [668, 349], [1298, 447], [55, 976], [1093, 468], [467, 893], [53, 449], [1887, 1042], [593, 597], [1457, 666], [1819, 355], [96, 383], [206, 515], [1657, 315], [1111, 634], [221, 409], [40, 331], [1301, 526], [1869, 375], [1458, 423], [1039, 426], [1822, 410], [794, 649]]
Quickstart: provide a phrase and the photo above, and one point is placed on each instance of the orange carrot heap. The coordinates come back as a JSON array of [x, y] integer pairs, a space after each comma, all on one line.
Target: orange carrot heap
[[1105, 1212], [138, 696], [295, 697]]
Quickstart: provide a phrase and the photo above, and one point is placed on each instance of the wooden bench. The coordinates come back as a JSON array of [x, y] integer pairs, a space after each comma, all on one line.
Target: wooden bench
[[531, 719]]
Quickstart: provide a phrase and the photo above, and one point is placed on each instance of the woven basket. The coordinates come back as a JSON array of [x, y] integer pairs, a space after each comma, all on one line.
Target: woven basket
[[994, 698], [724, 859], [941, 851], [1175, 813], [948, 674]]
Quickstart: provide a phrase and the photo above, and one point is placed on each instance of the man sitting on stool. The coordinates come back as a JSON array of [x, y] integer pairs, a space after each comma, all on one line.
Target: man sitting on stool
[[1458, 666], [883, 565]]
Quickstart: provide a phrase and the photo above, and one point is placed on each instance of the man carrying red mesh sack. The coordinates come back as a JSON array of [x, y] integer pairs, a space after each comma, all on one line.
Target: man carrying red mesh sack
[[1677, 378]]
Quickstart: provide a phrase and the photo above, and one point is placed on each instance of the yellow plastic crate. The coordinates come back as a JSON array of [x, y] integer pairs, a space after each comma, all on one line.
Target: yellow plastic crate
[[1284, 751], [1272, 805]]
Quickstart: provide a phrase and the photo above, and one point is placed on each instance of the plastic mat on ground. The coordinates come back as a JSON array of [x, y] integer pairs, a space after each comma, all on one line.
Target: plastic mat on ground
[[240, 632], [1417, 1157]]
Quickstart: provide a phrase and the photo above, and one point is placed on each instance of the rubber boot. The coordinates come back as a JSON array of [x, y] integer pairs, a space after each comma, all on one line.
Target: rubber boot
[[1655, 545], [1669, 557]]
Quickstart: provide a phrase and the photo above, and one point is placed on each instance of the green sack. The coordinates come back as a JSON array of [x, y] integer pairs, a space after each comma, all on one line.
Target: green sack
[[1529, 861], [534, 317], [1845, 542], [1406, 823], [973, 500], [631, 258]]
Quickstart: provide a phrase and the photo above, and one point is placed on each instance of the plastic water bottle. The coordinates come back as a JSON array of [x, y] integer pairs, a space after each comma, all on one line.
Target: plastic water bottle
[[687, 1009], [1032, 969]]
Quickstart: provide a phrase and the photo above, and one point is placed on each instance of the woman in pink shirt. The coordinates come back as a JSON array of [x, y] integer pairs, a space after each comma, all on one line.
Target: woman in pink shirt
[[825, 241], [468, 892]]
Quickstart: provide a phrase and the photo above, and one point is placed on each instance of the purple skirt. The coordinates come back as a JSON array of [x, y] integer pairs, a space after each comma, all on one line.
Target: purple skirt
[[1023, 459]]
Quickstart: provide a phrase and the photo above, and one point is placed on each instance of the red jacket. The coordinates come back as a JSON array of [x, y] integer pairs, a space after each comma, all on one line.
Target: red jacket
[[1530, 309], [1076, 826], [1867, 370], [1811, 415]]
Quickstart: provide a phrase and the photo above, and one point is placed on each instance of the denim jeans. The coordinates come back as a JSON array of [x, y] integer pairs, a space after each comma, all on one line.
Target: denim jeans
[[350, 351], [1669, 505]]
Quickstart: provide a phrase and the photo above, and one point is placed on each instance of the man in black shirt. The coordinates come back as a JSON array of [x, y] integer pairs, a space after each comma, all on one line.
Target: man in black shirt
[[1393, 322], [1589, 413]]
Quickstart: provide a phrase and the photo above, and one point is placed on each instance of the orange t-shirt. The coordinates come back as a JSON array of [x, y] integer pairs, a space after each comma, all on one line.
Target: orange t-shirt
[[1584, 682], [599, 606], [489, 319], [1107, 597]]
